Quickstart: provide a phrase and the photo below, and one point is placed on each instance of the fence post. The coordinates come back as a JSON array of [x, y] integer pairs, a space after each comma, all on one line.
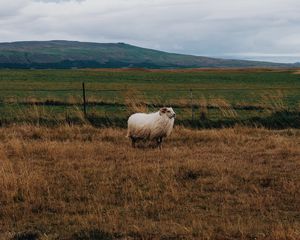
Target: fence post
[[192, 105], [84, 100]]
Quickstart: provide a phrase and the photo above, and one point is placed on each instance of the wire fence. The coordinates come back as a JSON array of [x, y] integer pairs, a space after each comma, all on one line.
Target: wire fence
[[193, 99], [240, 94], [111, 107]]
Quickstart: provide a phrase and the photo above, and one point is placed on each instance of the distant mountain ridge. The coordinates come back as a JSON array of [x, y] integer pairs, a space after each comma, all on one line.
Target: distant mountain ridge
[[73, 54]]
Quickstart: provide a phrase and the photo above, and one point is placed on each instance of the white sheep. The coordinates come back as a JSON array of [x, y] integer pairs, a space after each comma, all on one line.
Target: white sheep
[[151, 126]]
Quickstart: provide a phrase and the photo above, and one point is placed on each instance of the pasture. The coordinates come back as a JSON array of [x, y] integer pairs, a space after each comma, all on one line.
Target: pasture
[[230, 170], [216, 97], [80, 182]]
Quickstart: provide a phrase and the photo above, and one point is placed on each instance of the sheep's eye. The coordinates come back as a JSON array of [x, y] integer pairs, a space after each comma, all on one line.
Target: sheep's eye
[[168, 111]]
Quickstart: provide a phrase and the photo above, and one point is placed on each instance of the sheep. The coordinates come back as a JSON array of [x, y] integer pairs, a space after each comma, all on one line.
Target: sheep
[[151, 126]]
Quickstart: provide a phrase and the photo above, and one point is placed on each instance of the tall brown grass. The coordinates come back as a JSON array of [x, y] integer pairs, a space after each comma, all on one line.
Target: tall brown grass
[[135, 101], [203, 104], [274, 101], [224, 107], [74, 182]]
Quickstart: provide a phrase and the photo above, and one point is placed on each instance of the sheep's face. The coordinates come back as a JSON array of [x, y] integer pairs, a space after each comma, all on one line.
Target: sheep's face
[[169, 112]]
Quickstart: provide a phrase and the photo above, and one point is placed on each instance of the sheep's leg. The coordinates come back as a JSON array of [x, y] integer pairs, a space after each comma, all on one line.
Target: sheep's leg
[[133, 141], [159, 142]]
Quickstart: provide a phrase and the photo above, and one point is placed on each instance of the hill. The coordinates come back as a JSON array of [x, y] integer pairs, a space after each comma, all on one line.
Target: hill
[[73, 54]]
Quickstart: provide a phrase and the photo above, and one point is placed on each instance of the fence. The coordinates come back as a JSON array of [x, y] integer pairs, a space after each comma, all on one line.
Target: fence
[[195, 106]]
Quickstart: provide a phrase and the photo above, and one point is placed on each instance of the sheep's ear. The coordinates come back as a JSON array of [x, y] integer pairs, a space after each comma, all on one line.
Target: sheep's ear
[[162, 110]]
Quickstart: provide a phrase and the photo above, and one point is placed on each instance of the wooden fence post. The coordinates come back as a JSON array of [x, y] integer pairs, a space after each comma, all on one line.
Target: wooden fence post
[[84, 100]]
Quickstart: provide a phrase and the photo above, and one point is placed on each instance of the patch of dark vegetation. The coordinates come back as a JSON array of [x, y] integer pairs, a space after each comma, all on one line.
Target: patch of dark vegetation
[[30, 235], [95, 234], [191, 174], [173, 237], [266, 182], [277, 120]]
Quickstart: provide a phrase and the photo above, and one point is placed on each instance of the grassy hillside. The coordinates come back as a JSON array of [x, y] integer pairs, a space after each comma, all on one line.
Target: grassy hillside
[[68, 54]]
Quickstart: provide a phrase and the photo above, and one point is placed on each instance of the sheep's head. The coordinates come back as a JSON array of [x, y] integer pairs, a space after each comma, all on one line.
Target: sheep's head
[[168, 111]]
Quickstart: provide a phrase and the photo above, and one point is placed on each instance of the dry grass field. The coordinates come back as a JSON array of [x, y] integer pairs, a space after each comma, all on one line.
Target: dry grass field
[[80, 182]]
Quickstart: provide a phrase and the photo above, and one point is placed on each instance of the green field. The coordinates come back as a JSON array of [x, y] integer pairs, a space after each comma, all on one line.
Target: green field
[[217, 95]]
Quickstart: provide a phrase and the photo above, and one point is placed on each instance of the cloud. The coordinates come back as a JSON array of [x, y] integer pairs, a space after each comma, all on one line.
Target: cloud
[[58, 1], [11, 8], [203, 27]]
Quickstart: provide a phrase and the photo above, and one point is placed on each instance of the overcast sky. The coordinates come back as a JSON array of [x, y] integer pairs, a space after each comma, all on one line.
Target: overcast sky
[[230, 28]]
